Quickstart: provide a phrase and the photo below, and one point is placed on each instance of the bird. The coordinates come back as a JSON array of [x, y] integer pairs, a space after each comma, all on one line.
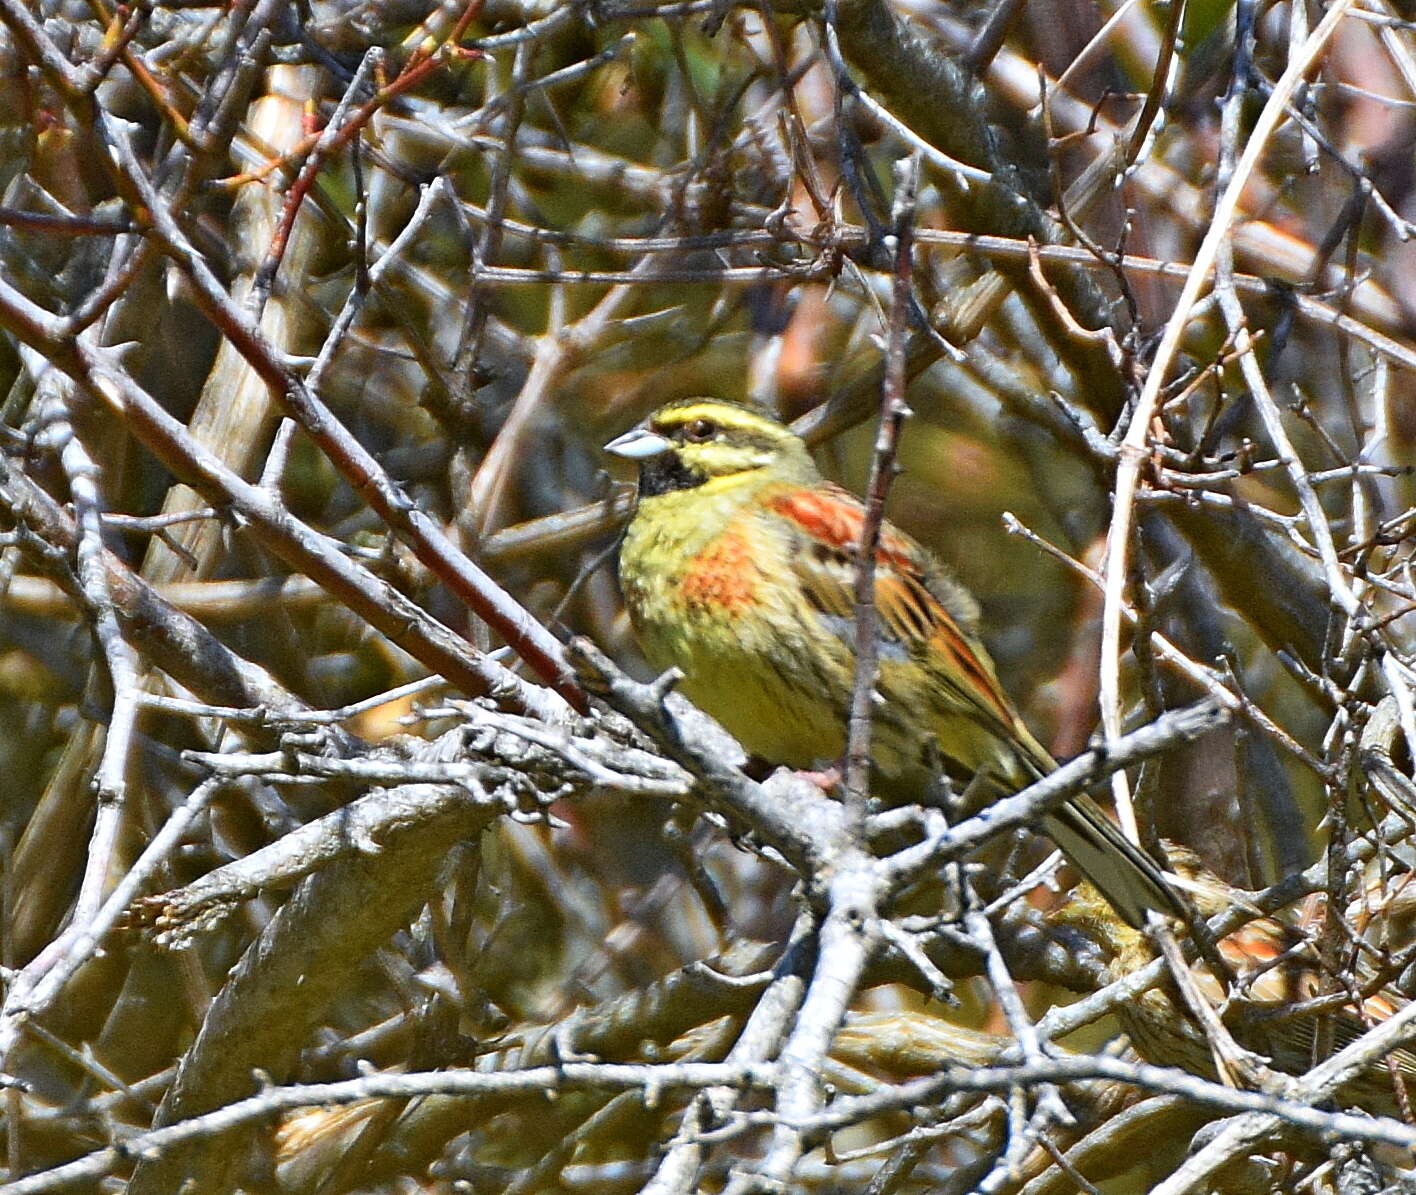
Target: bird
[[1284, 1001], [738, 568]]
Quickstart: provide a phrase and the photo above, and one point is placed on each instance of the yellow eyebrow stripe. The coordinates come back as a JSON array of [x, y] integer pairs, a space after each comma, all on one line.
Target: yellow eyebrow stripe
[[719, 413]]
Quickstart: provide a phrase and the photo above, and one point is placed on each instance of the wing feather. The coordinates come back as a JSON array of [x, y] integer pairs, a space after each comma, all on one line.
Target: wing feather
[[923, 614]]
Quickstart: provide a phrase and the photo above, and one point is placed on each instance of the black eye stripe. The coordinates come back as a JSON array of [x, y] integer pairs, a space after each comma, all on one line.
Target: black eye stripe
[[738, 437]]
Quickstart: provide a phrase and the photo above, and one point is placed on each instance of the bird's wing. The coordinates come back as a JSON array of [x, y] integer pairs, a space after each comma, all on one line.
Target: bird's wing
[[922, 614]]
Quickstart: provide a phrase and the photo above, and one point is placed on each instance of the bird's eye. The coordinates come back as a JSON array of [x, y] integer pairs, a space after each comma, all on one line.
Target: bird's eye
[[700, 430]]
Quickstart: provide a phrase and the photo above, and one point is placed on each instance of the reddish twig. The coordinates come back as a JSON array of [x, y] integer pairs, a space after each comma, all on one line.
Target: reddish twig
[[422, 63]]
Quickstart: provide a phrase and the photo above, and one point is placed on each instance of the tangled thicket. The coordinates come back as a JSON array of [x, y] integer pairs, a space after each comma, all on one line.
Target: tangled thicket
[[339, 855]]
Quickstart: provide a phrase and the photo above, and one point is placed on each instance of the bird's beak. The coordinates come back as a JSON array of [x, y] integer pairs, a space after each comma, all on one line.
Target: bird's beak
[[639, 445]]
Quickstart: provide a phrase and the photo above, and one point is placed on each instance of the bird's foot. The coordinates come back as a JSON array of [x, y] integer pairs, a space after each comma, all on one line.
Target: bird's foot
[[825, 779]]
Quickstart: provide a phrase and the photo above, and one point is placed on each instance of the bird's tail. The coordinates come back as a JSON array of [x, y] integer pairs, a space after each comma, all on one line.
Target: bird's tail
[[1122, 872], [1129, 878]]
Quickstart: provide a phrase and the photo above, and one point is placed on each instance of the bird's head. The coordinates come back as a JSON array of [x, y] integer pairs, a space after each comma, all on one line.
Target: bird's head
[[708, 441]]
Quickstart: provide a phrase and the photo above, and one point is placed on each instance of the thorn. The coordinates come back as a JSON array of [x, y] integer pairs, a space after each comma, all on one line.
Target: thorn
[[665, 683]]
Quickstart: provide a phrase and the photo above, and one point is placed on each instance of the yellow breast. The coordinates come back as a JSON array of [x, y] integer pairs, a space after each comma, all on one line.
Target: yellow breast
[[704, 585]]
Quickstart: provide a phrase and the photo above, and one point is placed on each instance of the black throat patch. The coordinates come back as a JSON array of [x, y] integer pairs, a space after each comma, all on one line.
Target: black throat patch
[[665, 473]]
